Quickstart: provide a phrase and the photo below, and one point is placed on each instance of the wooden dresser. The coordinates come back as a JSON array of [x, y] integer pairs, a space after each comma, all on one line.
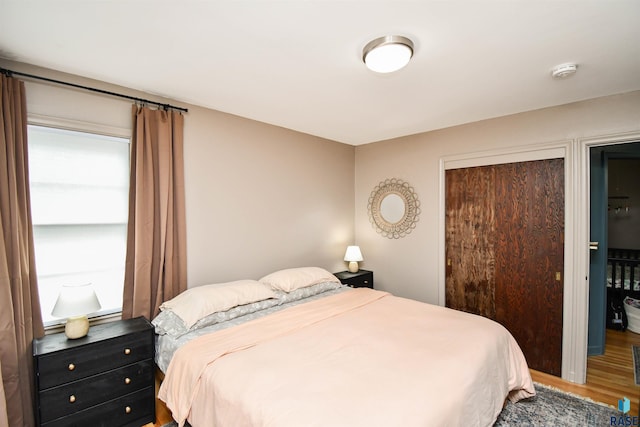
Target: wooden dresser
[[361, 279], [103, 379]]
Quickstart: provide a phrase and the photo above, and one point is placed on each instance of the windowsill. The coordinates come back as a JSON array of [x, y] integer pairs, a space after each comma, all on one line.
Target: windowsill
[[96, 320]]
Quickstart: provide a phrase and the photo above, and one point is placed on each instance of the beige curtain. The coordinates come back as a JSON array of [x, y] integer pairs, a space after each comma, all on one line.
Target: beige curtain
[[4, 418], [20, 317], [156, 267]]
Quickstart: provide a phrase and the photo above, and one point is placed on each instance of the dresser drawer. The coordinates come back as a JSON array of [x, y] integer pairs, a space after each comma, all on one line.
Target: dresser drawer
[[361, 279], [133, 410], [79, 395], [76, 363]]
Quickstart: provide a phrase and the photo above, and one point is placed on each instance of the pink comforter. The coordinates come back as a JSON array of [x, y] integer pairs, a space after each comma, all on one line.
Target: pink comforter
[[359, 358]]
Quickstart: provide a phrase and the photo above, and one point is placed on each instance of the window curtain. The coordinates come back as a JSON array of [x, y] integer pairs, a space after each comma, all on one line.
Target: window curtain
[[20, 316], [156, 265], [4, 419]]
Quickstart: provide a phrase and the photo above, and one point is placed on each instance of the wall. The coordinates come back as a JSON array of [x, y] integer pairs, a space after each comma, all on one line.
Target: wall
[[624, 224], [261, 198], [410, 266], [258, 197]]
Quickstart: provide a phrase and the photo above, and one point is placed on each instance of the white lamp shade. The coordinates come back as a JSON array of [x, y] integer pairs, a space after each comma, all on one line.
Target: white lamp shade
[[353, 254], [76, 300]]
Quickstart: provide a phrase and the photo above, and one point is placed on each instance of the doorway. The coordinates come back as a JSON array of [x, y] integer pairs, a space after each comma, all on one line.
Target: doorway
[[613, 217]]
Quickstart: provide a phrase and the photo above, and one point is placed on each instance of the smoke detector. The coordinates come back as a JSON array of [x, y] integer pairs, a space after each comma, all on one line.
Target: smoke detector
[[563, 71]]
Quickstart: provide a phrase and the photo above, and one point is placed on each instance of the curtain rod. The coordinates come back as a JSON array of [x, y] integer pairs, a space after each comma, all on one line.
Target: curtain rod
[[9, 73]]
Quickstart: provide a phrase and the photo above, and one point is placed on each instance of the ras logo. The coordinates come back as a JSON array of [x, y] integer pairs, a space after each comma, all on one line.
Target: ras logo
[[624, 405]]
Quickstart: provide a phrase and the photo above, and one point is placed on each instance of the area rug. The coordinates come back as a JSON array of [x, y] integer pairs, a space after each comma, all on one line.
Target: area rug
[[551, 407], [636, 362]]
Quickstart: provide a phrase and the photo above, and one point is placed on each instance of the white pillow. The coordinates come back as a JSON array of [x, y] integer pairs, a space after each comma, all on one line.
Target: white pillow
[[294, 278], [201, 301]]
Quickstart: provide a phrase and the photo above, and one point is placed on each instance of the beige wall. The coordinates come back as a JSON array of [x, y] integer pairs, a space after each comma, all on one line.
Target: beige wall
[[410, 266], [261, 198], [258, 197]]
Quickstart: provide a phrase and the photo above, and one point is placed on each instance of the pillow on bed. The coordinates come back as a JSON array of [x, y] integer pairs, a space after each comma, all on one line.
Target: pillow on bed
[[306, 292], [295, 278], [168, 323], [201, 301]]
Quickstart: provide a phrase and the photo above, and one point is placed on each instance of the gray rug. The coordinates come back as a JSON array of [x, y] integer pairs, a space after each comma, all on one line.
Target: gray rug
[[550, 407]]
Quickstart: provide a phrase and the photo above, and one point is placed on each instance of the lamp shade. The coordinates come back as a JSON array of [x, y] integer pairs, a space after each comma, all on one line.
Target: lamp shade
[[353, 254], [76, 300]]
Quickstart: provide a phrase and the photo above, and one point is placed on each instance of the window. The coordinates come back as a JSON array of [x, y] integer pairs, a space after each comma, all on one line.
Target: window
[[79, 184]]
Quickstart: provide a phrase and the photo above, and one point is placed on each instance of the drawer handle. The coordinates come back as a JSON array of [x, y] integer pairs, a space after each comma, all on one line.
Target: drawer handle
[[127, 351], [127, 410], [72, 398], [72, 366], [127, 380]]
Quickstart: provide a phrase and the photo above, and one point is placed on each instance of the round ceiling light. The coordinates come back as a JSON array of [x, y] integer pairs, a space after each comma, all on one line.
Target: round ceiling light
[[387, 54], [564, 71]]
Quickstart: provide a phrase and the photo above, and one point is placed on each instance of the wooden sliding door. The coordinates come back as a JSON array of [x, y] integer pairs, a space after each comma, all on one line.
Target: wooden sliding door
[[505, 251]]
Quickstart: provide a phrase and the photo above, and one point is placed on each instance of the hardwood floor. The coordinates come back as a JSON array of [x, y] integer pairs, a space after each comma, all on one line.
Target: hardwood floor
[[609, 377], [163, 415]]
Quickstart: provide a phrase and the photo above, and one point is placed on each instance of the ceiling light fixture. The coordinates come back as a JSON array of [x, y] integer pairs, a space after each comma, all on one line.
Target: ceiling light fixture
[[387, 54], [563, 71]]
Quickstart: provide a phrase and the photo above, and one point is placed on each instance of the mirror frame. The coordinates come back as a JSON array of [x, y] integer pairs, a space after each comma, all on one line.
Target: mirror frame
[[411, 215]]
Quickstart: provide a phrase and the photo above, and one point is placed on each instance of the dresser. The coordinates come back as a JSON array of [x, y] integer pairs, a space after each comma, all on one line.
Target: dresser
[[361, 279], [103, 379]]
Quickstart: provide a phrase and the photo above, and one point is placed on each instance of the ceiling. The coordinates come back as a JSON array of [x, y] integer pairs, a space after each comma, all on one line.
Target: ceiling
[[297, 63]]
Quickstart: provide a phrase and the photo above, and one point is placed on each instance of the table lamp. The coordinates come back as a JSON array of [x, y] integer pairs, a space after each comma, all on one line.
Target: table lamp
[[353, 255], [75, 302]]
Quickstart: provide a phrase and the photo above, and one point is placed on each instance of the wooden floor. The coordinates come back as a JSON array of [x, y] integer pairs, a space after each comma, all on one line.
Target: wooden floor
[[163, 415], [609, 377]]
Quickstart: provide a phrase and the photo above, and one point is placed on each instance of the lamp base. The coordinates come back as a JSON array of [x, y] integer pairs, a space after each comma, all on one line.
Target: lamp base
[[76, 327], [353, 267]]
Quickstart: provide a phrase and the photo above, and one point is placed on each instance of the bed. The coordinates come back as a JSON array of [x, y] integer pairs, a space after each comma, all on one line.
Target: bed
[[317, 353]]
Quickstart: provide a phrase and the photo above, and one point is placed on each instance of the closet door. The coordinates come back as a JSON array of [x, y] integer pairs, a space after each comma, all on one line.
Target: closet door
[[470, 240], [505, 251]]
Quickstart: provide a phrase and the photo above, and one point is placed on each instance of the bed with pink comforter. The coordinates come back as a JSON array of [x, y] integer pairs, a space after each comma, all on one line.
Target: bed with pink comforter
[[358, 358]]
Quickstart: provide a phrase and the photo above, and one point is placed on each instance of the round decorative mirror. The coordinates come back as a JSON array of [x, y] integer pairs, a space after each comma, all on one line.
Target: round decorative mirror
[[393, 208]]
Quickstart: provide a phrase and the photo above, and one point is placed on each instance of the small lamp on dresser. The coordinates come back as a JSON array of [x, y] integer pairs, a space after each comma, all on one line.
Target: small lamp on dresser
[[353, 255], [75, 302]]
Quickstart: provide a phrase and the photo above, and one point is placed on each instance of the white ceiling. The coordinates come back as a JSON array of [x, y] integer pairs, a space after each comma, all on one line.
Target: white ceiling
[[297, 63]]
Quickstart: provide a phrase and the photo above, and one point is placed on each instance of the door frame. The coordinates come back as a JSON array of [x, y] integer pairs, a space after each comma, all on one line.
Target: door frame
[[585, 145], [572, 293]]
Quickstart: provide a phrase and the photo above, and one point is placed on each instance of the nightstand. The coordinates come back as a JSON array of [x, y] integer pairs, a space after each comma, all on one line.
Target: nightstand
[[103, 379], [361, 279]]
